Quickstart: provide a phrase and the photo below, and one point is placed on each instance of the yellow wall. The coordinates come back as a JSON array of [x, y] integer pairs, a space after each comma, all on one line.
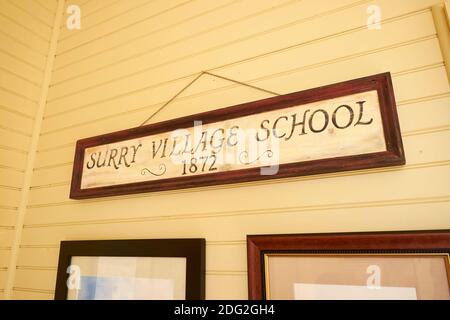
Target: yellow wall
[[25, 30], [131, 56]]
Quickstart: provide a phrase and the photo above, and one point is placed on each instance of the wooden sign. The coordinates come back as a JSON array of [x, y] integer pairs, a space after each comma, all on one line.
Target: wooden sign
[[346, 126]]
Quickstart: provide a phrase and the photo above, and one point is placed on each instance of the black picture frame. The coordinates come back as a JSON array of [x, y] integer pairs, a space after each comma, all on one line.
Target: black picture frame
[[191, 249]]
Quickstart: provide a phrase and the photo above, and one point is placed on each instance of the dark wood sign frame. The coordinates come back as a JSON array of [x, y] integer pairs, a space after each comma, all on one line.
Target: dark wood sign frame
[[191, 249], [394, 155], [437, 241]]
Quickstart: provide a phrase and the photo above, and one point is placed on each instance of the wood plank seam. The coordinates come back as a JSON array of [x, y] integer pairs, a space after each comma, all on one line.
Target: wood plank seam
[[242, 19], [10, 208], [10, 277], [128, 41], [430, 164], [306, 67], [26, 45], [17, 94], [36, 18], [31, 31], [399, 103], [134, 23], [10, 188], [404, 134], [43, 7], [223, 88], [33, 290], [228, 86], [11, 168], [253, 212], [320, 39], [13, 130], [8, 148]]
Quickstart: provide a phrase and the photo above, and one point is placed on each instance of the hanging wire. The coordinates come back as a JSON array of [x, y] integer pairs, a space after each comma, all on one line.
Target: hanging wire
[[194, 80]]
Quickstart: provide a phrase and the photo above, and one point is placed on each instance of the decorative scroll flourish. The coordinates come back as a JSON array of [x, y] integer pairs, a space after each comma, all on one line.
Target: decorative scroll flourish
[[161, 168], [243, 156]]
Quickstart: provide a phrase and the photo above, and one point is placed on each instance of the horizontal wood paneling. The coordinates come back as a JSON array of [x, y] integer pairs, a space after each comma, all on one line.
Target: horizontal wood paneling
[[11, 177], [18, 66], [113, 20], [21, 30], [226, 45], [31, 294], [230, 197], [225, 14], [233, 286], [17, 84], [4, 256], [421, 149], [7, 218], [38, 257], [96, 13], [39, 279], [2, 278], [10, 196], [138, 71], [9, 117], [19, 13], [402, 83], [49, 5], [88, 8], [56, 156], [416, 114], [6, 236], [21, 51], [433, 112], [288, 62], [13, 139], [25, 29], [18, 102], [35, 10], [222, 228]]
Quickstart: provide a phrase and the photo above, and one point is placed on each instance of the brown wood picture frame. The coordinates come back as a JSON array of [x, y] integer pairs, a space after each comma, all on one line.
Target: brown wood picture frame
[[191, 249], [402, 242], [394, 154]]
